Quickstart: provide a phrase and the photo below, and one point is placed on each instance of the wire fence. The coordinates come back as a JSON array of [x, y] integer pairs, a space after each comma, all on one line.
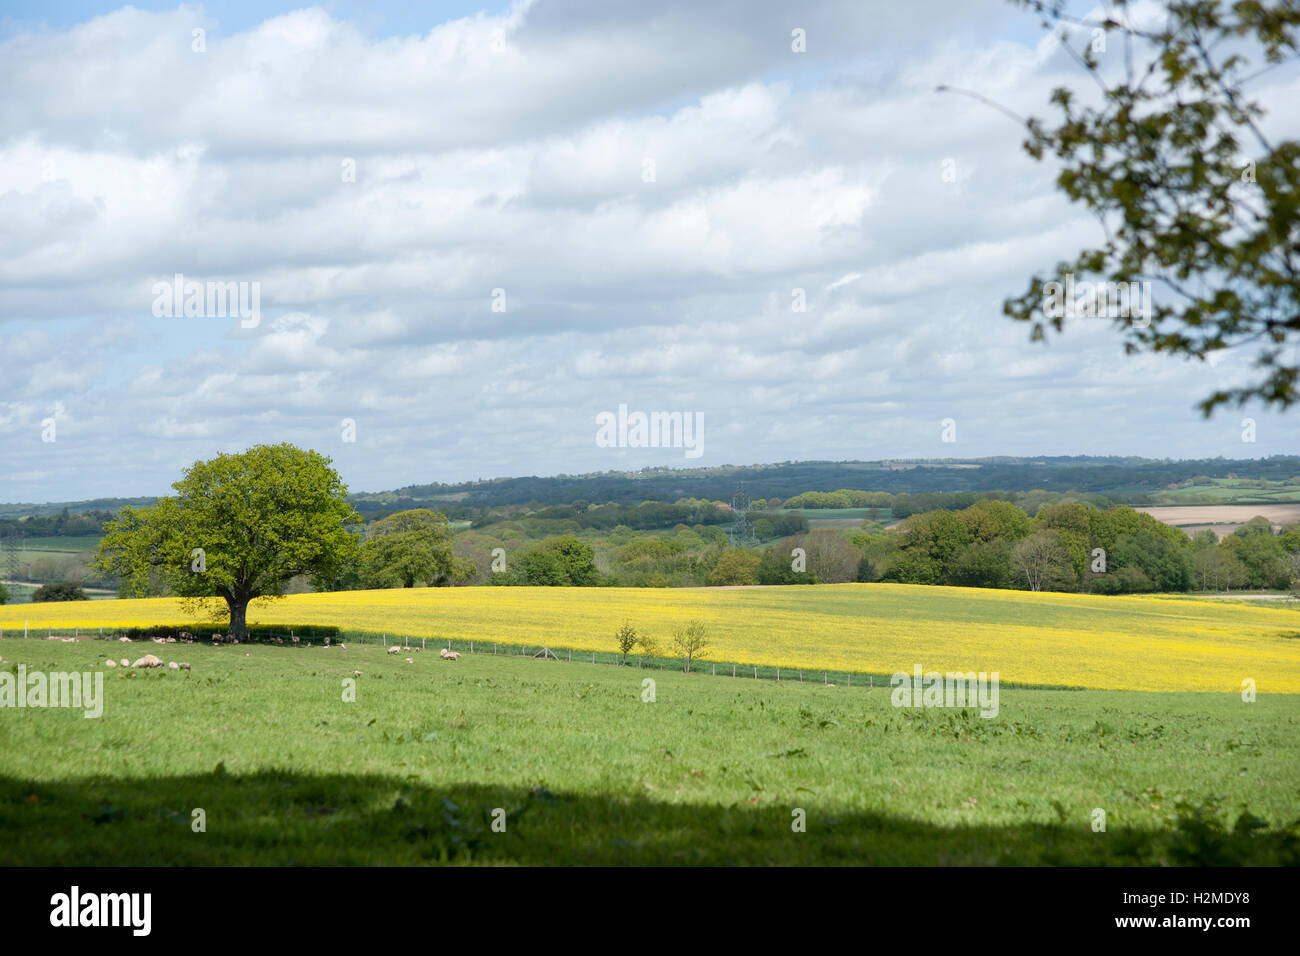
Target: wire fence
[[867, 680], [542, 652], [538, 652]]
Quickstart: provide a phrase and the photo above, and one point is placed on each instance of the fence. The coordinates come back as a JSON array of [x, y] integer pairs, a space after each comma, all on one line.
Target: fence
[[713, 668], [867, 680], [535, 651]]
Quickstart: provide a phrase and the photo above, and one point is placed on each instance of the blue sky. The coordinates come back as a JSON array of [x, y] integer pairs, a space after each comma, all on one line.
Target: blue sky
[[378, 17], [472, 229]]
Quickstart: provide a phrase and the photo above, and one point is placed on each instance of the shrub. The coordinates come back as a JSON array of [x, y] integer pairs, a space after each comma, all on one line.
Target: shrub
[[735, 567], [256, 633], [63, 591]]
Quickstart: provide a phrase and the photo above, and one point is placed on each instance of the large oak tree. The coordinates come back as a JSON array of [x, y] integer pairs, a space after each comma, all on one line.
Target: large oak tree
[[239, 527]]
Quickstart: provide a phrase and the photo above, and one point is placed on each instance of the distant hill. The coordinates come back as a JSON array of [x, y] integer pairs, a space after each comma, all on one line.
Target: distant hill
[[1138, 481], [24, 509], [1133, 480]]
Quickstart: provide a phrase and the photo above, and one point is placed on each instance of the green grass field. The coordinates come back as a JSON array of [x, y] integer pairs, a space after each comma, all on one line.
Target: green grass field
[[261, 739], [1225, 491], [63, 544]]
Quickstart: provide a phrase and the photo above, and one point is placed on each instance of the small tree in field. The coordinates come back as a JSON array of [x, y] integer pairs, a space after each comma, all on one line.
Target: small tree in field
[[626, 639], [239, 527], [690, 641], [649, 646]]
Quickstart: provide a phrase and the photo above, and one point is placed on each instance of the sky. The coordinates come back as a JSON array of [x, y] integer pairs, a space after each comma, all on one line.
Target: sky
[[471, 230]]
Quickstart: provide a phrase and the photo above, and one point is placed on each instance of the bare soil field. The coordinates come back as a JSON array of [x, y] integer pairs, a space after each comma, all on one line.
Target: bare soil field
[[1224, 519]]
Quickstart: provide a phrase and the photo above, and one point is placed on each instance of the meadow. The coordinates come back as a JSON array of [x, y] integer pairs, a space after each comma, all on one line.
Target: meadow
[[585, 770], [1223, 519], [1141, 643]]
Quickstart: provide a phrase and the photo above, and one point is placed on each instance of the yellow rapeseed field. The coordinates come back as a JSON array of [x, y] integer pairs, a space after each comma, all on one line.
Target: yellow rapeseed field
[[1131, 643]]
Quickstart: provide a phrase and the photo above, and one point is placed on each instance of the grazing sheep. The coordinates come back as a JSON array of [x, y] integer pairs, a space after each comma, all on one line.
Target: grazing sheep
[[447, 655], [394, 649], [185, 665], [148, 661], [110, 663], [124, 640], [171, 640], [125, 662], [173, 666]]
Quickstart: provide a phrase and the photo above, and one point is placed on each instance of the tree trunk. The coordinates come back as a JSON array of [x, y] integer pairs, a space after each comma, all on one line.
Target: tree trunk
[[238, 617]]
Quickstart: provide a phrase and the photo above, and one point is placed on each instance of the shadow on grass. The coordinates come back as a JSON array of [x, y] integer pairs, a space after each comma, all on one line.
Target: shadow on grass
[[286, 818]]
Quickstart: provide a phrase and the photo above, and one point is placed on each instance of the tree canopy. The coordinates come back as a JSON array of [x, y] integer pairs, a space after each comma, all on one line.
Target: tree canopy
[[239, 527], [1192, 196], [412, 547]]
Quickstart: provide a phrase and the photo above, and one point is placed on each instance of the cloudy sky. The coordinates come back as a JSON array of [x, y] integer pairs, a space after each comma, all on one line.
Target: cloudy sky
[[473, 229]]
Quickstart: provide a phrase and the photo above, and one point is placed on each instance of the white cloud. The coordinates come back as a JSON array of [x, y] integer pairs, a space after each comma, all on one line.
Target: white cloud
[[126, 157]]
